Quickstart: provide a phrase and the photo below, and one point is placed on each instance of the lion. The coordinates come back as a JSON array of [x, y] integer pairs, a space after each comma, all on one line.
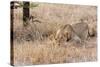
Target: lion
[[92, 30], [84, 30], [81, 29], [65, 34], [78, 33]]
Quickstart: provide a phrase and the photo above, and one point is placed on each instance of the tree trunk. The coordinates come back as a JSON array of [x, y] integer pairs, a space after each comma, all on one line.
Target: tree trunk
[[26, 12], [11, 32]]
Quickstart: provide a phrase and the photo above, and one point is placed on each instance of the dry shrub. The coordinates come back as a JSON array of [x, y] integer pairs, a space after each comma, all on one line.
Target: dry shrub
[[34, 31]]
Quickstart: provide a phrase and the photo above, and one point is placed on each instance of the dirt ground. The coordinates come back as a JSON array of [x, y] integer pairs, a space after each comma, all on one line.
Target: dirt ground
[[40, 50]]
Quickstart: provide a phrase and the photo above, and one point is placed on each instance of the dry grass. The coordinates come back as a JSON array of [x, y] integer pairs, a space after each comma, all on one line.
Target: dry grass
[[41, 50], [45, 52]]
